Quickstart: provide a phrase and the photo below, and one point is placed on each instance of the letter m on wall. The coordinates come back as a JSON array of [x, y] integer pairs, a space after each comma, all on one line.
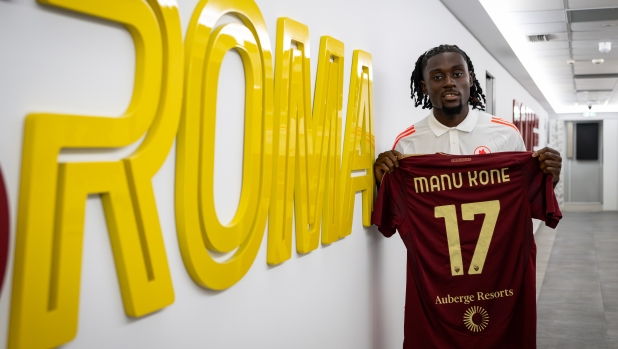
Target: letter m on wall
[[50, 224]]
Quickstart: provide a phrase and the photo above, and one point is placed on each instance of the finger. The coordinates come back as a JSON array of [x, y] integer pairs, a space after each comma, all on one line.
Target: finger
[[392, 155], [554, 172], [384, 168], [548, 155], [388, 153], [394, 160], [388, 162], [382, 158], [387, 165], [552, 150], [397, 154], [380, 165], [383, 155], [555, 161], [549, 163], [539, 152], [554, 169], [546, 150]]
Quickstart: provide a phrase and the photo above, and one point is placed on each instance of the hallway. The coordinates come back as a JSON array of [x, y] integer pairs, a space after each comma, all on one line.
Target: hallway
[[578, 301]]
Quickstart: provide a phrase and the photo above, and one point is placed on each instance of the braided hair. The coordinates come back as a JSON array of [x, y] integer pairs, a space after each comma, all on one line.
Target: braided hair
[[476, 92]]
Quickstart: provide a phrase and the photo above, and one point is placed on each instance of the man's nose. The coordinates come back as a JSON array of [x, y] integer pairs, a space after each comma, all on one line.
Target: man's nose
[[449, 81]]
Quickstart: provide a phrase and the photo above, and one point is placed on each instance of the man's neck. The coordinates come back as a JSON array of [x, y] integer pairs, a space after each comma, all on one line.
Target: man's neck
[[451, 120]]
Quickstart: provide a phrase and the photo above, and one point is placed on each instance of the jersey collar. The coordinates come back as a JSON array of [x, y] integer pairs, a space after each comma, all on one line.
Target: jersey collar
[[466, 125]]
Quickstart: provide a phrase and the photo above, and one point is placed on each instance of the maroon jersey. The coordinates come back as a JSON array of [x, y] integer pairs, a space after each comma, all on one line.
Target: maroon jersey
[[466, 223]]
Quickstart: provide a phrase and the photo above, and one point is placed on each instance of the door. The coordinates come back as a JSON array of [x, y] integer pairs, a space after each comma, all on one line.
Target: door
[[584, 161]]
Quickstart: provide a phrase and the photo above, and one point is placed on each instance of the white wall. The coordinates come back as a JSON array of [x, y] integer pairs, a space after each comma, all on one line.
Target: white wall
[[346, 295]]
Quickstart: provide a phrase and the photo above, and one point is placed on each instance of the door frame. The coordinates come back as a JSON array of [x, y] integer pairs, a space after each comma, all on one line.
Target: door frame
[[571, 148]]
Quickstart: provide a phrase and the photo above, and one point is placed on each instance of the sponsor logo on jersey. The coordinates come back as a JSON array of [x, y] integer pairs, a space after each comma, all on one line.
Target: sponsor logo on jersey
[[476, 319]]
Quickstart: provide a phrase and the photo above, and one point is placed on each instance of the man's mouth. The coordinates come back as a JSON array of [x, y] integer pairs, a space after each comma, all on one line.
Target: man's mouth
[[450, 96]]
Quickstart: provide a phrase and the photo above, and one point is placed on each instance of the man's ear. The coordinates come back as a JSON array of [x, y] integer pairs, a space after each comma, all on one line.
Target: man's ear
[[424, 87], [471, 75]]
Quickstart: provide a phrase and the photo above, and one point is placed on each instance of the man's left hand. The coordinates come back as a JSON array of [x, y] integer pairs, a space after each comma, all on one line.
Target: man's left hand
[[551, 162]]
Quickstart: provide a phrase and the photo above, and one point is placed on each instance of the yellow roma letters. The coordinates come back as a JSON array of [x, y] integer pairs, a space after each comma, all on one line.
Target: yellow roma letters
[[44, 308], [293, 154]]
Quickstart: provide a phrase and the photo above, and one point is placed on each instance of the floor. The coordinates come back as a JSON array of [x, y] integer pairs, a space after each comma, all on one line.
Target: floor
[[577, 282]]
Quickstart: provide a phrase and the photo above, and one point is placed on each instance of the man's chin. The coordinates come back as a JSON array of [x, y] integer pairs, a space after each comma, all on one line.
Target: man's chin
[[452, 111]]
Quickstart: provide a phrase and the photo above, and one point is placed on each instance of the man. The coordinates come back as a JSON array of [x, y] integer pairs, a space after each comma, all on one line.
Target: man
[[450, 298], [443, 81]]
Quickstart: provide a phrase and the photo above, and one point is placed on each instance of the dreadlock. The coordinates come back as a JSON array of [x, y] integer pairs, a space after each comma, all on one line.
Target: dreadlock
[[476, 92]]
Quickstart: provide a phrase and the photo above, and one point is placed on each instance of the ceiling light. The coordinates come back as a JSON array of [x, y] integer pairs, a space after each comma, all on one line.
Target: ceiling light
[[608, 25], [598, 61], [571, 61], [605, 47]]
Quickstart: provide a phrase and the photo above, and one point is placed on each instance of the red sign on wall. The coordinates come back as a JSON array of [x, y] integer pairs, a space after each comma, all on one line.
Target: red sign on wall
[[527, 122]]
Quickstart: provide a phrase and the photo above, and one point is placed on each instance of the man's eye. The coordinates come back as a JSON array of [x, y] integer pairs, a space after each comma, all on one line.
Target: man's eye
[[458, 74], [437, 77]]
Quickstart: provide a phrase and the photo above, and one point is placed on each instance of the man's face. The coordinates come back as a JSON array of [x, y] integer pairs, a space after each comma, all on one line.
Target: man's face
[[447, 82]]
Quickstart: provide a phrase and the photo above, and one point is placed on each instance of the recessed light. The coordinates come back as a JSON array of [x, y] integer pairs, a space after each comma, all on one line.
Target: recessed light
[[605, 47], [570, 61], [608, 25], [598, 61]]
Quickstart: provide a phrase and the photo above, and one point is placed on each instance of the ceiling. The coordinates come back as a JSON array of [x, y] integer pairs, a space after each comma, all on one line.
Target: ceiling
[[475, 18], [574, 29]]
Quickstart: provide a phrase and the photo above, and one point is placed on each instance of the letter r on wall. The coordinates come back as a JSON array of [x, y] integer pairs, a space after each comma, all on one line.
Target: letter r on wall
[[48, 252]]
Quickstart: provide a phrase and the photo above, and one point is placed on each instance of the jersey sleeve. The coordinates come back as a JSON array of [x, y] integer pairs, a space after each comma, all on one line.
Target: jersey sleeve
[[386, 212], [541, 196]]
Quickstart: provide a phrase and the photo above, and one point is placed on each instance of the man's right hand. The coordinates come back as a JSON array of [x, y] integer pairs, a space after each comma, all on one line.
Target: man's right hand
[[386, 163]]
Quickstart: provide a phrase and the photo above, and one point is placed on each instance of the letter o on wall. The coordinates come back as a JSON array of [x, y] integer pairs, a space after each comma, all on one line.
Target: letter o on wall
[[199, 229]]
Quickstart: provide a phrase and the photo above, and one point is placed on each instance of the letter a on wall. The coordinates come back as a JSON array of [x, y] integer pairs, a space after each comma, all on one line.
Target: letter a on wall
[[50, 223]]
